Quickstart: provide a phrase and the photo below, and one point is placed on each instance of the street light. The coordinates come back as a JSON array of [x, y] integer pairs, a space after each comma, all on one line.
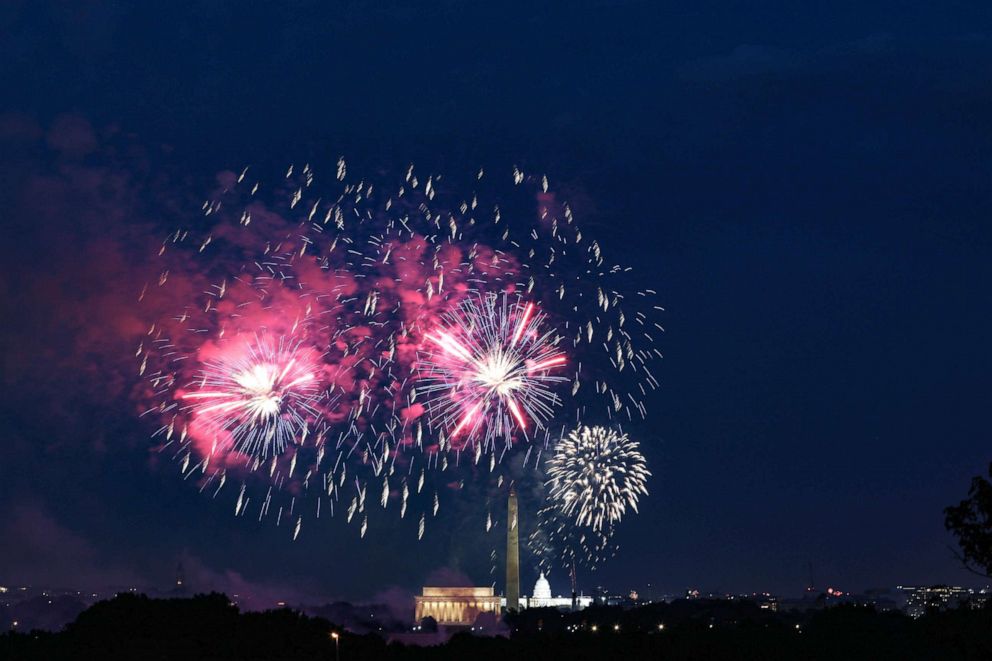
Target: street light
[[337, 645]]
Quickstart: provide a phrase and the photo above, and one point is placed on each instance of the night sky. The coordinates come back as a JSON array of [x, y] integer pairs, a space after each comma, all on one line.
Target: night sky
[[807, 186]]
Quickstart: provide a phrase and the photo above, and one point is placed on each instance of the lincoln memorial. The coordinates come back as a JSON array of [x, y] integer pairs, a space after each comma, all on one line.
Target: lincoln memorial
[[456, 606]]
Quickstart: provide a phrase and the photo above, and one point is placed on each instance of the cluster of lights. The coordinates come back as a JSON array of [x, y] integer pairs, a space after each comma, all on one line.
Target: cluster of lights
[[573, 628]]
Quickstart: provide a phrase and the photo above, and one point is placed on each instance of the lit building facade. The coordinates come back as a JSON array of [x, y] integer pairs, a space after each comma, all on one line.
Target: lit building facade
[[542, 598], [542, 593], [456, 606]]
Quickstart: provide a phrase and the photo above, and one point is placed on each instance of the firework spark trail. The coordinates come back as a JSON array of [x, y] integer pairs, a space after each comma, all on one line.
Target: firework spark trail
[[556, 540]]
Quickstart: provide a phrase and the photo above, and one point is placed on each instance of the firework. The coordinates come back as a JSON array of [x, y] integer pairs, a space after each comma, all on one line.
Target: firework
[[489, 370], [594, 475], [258, 398], [419, 319]]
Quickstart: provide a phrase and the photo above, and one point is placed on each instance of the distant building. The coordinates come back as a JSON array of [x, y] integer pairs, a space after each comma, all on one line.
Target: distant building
[[542, 592], [765, 600], [458, 606], [604, 597], [542, 597]]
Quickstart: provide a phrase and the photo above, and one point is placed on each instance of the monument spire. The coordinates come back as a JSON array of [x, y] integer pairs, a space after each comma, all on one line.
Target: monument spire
[[512, 554]]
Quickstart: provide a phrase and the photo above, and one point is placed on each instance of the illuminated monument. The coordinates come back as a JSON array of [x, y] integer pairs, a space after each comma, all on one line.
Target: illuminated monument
[[460, 606], [512, 554], [456, 606], [542, 598], [542, 592]]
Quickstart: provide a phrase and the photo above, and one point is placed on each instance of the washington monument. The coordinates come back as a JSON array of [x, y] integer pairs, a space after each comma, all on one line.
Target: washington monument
[[512, 554]]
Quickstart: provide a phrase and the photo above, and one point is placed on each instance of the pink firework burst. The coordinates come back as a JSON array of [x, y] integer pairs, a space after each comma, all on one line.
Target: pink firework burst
[[488, 370], [258, 397]]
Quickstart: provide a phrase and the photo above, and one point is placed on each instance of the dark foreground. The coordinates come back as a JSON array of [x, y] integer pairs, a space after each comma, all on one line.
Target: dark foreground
[[209, 627]]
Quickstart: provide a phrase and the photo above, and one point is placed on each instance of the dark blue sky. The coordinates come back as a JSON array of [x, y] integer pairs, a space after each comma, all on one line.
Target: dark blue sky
[[807, 187]]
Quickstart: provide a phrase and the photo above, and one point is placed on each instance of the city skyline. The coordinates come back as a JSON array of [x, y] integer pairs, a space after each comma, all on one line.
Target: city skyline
[[22, 608]]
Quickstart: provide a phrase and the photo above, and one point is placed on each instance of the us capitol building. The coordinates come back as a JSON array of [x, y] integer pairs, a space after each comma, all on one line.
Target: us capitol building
[[542, 598], [460, 606]]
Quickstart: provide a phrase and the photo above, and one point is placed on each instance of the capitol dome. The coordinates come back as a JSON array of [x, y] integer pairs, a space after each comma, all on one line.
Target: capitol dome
[[542, 589]]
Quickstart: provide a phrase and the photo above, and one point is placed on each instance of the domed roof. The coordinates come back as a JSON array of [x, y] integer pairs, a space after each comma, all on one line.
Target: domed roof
[[542, 589]]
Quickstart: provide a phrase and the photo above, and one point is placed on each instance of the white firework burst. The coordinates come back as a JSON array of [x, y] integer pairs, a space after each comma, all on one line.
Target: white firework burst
[[594, 475]]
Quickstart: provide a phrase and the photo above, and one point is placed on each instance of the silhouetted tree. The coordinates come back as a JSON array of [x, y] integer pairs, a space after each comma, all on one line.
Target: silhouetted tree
[[970, 521], [487, 621]]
